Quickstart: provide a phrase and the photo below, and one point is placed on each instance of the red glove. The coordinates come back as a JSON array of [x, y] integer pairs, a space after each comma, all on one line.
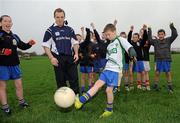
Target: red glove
[[32, 42], [6, 51]]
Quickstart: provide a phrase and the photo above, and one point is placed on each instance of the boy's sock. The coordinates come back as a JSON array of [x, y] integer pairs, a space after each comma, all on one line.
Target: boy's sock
[[83, 89], [170, 86], [109, 107], [6, 106], [23, 103], [147, 82], [139, 82], [156, 87], [144, 86], [84, 98]]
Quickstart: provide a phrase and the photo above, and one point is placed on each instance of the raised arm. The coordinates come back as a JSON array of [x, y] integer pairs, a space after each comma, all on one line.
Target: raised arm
[[96, 33], [130, 34], [144, 36], [115, 22], [82, 33], [174, 33], [150, 39], [87, 39]]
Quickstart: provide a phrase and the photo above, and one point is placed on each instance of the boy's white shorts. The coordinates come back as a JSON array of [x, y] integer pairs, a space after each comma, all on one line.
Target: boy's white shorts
[[146, 66]]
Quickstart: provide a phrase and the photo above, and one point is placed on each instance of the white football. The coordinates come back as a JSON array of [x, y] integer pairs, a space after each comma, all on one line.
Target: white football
[[64, 97]]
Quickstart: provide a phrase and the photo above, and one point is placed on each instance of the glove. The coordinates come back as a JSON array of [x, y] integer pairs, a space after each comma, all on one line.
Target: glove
[[6, 51]]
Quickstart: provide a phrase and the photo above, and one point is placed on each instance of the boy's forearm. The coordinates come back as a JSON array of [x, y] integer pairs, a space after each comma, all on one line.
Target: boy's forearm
[[24, 46], [48, 52], [76, 48]]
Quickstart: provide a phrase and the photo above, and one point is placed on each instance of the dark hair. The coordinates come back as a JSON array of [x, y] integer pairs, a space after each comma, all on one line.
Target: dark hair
[[78, 35], [136, 34], [123, 33], [1, 18], [59, 10], [161, 30], [109, 27]]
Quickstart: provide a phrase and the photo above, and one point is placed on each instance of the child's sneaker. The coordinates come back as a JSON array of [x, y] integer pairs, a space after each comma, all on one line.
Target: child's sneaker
[[139, 87], [148, 88], [131, 88], [119, 88], [77, 103], [170, 89], [127, 88], [106, 114], [156, 87], [7, 111], [143, 88], [24, 105], [115, 90]]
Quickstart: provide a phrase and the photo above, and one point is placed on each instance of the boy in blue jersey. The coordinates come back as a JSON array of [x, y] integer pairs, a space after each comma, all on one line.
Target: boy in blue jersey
[[113, 70], [9, 62], [162, 48]]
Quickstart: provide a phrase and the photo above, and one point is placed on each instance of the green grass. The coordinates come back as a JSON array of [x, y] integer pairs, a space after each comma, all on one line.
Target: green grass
[[133, 107]]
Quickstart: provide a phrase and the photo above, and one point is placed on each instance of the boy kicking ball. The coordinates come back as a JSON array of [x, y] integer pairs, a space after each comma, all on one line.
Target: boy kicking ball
[[113, 70]]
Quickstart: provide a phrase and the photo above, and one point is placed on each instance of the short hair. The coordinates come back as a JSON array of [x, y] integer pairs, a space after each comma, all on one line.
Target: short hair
[[123, 33], [78, 35], [136, 34], [161, 30], [59, 10], [109, 27], [1, 18]]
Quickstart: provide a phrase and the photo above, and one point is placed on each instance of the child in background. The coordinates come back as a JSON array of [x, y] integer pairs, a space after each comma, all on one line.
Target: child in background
[[138, 43], [9, 62], [162, 49]]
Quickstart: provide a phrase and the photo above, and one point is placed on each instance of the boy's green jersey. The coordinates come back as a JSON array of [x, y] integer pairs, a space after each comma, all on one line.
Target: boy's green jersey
[[115, 54]]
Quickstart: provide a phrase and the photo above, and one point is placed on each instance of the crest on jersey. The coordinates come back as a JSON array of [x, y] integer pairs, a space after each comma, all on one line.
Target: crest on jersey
[[57, 33], [14, 42]]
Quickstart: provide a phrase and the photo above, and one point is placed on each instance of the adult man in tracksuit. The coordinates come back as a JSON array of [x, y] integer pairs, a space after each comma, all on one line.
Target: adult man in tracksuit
[[62, 49]]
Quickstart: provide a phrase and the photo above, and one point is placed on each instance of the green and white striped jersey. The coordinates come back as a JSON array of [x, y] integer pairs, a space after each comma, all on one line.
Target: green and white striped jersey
[[115, 54]]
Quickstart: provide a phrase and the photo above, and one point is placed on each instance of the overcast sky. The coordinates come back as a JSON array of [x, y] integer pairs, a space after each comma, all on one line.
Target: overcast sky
[[32, 17]]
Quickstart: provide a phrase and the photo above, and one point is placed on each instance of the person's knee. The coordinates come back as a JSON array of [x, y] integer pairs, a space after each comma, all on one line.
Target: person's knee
[[168, 73], [157, 73], [2, 84], [109, 90]]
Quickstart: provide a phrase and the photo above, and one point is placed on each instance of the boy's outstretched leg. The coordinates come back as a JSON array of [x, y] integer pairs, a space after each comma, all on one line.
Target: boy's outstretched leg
[[110, 97], [85, 97]]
